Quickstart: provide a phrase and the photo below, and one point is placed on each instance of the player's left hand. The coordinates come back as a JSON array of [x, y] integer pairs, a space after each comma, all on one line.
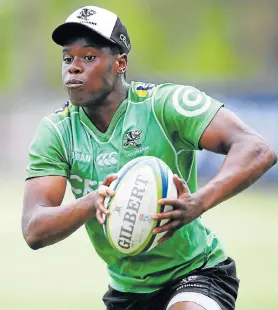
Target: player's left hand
[[102, 192], [186, 208]]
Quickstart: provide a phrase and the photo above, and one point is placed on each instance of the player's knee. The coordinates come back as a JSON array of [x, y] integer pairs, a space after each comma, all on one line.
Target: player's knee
[[186, 305]]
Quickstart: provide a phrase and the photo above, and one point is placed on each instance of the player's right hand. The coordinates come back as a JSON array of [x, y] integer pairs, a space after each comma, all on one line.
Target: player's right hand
[[104, 191]]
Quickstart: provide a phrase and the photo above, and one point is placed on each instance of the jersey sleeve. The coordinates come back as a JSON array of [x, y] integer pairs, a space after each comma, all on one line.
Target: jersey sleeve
[[47, 155], [184, 112]]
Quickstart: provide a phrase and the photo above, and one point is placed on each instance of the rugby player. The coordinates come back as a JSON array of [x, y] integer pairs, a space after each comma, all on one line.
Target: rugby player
[[105, 123]]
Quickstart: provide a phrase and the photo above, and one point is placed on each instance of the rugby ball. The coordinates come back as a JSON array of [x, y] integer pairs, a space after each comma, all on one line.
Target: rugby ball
[[141, 183]]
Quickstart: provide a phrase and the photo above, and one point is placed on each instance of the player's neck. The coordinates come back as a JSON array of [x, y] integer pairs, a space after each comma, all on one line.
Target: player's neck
[[102, 114]]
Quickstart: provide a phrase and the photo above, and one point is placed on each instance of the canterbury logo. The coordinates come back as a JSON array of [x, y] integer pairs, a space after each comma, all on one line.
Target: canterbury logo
[[107, 159]]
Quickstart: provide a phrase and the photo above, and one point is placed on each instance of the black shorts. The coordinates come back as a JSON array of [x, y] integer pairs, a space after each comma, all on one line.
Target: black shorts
[[219, 283]]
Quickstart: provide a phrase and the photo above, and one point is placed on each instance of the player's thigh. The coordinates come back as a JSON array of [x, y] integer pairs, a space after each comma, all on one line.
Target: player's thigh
[[211, 289], [186, 306], [192, 301]]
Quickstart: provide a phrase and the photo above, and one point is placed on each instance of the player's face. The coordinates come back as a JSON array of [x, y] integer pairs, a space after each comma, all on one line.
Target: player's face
[[88, 72]]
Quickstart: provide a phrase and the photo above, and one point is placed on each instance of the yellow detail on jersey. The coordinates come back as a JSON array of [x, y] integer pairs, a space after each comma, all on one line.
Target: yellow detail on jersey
[[143, 90], [142, 93], [64, 109]]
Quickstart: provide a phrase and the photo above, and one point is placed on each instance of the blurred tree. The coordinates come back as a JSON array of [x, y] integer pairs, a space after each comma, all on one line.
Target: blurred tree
[[171, 39], [7, 35], [55, 12], [182, 40]]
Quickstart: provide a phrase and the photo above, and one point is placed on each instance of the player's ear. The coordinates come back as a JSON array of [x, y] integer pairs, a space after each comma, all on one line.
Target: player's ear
[[121, 63]]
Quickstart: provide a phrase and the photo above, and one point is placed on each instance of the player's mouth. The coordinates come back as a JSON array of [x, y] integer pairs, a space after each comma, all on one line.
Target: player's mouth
[[74, 83]]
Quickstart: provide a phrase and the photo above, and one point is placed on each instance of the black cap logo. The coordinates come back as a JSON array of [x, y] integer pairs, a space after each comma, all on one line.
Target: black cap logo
[[85, 14], [124, 39]]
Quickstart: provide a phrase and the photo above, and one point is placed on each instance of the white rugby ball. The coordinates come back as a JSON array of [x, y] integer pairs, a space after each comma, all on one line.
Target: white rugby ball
[[141, 183]]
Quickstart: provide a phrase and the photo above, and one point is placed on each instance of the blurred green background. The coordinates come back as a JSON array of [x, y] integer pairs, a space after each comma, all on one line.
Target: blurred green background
[[227, 48], [208, 41]]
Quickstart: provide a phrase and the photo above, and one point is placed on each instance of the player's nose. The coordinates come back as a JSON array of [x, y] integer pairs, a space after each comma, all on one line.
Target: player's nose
[[75, 67]]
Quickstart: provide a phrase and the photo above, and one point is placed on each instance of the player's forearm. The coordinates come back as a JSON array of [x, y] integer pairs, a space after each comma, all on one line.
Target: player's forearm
[[245, 163], [49, 225]]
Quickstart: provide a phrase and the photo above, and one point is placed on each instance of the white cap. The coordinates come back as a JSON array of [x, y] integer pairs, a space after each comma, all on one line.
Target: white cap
[[99, 20]]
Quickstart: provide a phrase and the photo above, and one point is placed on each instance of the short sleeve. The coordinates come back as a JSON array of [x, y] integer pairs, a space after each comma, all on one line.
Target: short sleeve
[[184, 112], [47, 154]]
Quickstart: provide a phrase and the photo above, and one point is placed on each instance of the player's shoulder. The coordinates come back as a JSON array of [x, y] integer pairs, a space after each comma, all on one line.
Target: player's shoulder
[[186, 100], [141, 91], [168, 90], [65, 111], [165, 92]]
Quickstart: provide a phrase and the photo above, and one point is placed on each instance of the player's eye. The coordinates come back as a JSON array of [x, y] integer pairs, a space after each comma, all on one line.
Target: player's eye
[[67, 59], [89, 58]]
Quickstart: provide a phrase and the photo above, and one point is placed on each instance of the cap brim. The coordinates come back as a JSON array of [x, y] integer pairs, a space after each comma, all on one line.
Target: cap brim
[[63, 33]]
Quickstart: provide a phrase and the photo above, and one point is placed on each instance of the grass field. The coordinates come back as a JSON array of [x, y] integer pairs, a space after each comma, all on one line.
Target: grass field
[[69, 275]]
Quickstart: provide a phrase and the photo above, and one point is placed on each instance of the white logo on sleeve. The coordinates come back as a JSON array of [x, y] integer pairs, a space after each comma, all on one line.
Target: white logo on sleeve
[[190, 102]]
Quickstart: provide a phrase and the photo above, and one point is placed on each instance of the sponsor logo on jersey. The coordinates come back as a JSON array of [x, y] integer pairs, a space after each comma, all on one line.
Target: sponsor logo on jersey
[[85, 14], [81, 187], [107, 159], [81, 157], [190, 102], [143, 89], [133, 141], [132, 138], [63, 108], [138, 151]]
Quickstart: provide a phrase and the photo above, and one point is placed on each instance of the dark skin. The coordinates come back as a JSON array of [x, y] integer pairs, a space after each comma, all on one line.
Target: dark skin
[[103, 87], [45, 221], [186, 306], [248, 157]]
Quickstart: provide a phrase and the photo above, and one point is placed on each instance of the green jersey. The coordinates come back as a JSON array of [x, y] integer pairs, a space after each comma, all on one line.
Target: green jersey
[[165, 121]]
